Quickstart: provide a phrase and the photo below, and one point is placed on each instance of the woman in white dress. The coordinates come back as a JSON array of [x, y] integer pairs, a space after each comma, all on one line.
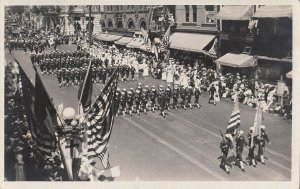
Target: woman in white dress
[[170, 74]]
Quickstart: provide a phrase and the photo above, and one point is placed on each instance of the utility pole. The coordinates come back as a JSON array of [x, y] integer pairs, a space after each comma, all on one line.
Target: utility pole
[[90, 26]]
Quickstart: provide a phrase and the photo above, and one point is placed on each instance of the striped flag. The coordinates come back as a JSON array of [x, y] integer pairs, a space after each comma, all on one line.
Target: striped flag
[[45, 117], [43, 140], [85, 91], [235, 118], [166, 40], [104, 158], [99, 121]]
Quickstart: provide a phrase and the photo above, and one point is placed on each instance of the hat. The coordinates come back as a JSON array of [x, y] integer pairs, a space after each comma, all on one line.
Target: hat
[[263, 127], [131, 89], [124, 89], [251, 128], [137, 91], [227, 135], [146, 86], [153, 86]]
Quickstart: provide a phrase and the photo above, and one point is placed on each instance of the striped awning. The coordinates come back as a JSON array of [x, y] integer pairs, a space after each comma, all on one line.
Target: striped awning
[[236, 60], [135, 43], [107, 37], [123, 40], [190, 41], [235, 12], [274, 11]]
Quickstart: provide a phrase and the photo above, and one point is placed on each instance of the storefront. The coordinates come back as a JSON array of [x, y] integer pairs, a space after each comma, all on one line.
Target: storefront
[[237, 63], [191, 48]]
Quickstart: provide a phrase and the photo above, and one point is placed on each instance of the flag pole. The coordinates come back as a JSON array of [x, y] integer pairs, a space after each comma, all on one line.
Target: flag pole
[[83, 86], [99, 95]]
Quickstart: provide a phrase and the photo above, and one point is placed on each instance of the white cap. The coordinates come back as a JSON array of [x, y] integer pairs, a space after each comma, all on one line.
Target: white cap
[[263, 127]]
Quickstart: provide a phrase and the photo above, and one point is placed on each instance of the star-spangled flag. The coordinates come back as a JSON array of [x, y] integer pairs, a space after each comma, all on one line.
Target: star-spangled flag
[[99, 122], [44, 141], [235, 118]]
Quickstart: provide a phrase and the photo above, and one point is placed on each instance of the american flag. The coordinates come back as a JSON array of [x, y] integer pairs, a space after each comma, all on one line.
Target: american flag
[[166, 40], [99, 121], [235, 118], [43, 140]]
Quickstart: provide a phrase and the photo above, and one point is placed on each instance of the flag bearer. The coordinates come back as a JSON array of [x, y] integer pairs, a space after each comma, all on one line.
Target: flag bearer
[[252, 143], [225, 145], [240, 143], [262, 142]]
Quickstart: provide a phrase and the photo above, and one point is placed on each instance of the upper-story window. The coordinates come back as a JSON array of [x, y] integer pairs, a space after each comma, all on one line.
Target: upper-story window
[[209, 13], [187, 13], [194, 13]]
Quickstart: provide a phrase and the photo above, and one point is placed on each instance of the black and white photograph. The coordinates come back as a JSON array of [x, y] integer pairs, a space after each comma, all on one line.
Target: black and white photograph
[[137, 92]]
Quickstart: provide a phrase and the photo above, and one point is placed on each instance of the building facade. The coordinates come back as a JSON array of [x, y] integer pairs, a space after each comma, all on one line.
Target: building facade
[[129, 19], [195, 35], [263, 32]]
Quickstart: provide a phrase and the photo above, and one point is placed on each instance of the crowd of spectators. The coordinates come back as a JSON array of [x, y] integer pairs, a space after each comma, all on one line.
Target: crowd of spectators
[[23, 161]]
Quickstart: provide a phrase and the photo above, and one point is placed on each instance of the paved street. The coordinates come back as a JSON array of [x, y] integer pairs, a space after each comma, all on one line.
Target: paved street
[[184, 146]]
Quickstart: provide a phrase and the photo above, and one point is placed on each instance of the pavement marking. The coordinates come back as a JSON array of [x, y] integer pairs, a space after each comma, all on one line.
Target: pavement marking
[[178, 151], [210, 157]]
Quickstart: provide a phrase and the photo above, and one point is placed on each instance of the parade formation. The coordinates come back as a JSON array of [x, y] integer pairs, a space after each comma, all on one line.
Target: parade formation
[[180, 105]]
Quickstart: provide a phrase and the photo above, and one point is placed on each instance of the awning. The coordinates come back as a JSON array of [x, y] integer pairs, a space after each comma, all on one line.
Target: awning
[[123, 41], [236, 60], [190, 41], [274, 11], [289, 75], [235, 12], [135, 43], [107, 37]]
